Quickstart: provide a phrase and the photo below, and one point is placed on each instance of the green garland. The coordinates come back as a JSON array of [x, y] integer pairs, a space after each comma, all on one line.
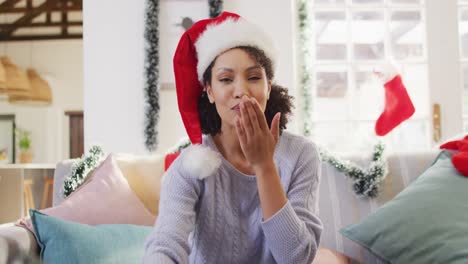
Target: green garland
[[216, 7], [151, 74], [306, 64], [366, 182], [81, 169]]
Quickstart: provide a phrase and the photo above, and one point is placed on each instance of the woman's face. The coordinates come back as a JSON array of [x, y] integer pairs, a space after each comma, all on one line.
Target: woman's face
[[235, 74]]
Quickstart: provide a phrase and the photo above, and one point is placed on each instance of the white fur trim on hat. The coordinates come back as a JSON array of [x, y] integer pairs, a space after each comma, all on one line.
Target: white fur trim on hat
[[218, 38], [201, 161]]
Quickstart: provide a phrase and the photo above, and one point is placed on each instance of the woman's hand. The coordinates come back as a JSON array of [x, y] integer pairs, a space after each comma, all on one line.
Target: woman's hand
[[257, 141]]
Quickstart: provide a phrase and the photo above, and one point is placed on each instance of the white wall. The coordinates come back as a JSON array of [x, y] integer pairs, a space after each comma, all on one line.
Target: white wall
[[60, 63], [113, 75], [113, 68]]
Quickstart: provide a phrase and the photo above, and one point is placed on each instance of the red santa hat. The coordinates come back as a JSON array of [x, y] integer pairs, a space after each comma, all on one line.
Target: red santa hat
[[197, 49]]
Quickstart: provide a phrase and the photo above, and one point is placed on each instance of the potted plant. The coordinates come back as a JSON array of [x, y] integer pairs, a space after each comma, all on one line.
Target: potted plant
[[24, 143]]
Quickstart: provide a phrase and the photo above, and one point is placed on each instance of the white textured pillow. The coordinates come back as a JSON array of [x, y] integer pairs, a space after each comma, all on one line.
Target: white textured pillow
[[143, 173]]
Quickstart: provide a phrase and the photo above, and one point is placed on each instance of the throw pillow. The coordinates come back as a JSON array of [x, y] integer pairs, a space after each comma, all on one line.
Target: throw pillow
[[105, 198], [68, 242], [426, 223], [143, 174]]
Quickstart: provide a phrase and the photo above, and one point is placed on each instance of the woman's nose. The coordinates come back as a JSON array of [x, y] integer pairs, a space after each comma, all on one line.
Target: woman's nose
[[241, 89]]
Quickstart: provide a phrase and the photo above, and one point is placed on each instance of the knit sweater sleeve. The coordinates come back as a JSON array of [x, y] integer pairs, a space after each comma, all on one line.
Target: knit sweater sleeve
[[293, 233], [168, 242]]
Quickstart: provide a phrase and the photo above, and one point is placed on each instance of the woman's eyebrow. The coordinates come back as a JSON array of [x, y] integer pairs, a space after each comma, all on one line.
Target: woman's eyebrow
[[253, 67], [224, 69]]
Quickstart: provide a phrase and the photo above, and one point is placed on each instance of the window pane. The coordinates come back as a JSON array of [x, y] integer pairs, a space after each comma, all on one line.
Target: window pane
[[368, 29], [332, 135], [367, 1], [465, 90], [409, 135], [368, 99], [331, 101], [463, 33], [342, 136], [328, 1], [330, 35], [406, 1], [406, 35]]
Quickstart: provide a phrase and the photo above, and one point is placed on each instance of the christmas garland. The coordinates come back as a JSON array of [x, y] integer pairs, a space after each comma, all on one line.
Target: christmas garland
[[151, 74], [306, 64], [216, 7], [81, 169], [366, 182]]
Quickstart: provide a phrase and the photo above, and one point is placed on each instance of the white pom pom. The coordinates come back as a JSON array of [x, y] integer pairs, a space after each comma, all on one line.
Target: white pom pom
[[201, 161]]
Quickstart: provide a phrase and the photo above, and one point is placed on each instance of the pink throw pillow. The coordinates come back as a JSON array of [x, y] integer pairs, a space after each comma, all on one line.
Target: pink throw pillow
[[105, 198]]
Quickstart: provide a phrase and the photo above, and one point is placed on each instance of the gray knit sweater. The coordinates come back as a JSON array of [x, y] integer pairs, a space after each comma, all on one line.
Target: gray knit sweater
[[219, 219]]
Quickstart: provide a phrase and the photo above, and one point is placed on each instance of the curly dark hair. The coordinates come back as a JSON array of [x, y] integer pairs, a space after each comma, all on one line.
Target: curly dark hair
[[279, 101]]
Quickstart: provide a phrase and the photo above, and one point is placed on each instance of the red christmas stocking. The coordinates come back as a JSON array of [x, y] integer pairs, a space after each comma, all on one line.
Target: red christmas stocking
[[398, 107]]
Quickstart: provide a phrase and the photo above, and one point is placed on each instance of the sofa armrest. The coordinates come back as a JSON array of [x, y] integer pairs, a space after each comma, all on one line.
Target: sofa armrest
[[19, 236], [62, 170]]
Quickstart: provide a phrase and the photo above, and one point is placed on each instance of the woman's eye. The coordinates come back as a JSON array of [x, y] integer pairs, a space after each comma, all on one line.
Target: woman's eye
[[254, 78], [225, 80]]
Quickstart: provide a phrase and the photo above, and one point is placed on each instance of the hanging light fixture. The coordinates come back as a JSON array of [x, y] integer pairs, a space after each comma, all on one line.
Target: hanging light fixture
[[3, 91], [17, 81], [40, 93]]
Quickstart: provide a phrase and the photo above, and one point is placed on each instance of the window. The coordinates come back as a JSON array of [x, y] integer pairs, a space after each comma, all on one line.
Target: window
[[463, 34], [350, 39]]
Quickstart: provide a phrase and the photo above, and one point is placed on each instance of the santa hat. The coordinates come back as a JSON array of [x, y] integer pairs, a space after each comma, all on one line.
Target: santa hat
[[198, 47]]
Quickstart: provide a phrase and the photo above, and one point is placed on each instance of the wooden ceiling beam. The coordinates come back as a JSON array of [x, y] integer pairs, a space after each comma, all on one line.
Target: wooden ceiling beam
[[15, 10], [28, 17], [8, 4], [43, 24], [42, 37]]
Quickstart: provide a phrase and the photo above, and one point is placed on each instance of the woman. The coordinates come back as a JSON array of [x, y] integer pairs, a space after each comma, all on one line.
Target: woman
[[246, 192]]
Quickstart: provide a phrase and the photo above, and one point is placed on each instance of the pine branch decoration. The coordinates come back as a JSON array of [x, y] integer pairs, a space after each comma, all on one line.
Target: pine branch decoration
[[81, 169], [305, 42], [151, 74], [216, 7], [366, 182]]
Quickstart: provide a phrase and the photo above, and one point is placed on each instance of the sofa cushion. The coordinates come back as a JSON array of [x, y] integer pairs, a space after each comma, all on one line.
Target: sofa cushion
[[68, 242], [143, 174], [425, 223], [105, 198], [20, 236]]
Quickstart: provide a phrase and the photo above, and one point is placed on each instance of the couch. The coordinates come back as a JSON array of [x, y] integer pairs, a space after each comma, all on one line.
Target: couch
[[338, 204]]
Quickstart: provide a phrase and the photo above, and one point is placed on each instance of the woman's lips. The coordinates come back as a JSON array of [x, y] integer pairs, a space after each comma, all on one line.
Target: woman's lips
[[236, 108]]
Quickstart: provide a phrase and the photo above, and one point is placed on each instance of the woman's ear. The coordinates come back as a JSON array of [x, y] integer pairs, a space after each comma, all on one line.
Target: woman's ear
[[209, 92]]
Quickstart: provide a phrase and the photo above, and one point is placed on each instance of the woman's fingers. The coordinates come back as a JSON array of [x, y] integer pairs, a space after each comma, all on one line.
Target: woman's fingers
[[252, 115], [260, 115], [240, 132], [246, 122]]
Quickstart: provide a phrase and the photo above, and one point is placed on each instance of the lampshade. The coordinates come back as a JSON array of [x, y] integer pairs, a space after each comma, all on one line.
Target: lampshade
[[16, 79], [2, 79], [40, 93]]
